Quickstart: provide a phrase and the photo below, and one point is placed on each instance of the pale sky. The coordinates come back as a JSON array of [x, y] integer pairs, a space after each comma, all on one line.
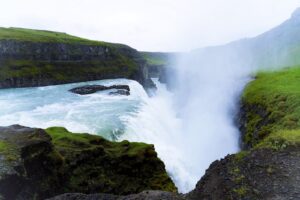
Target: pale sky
[[152, 25]]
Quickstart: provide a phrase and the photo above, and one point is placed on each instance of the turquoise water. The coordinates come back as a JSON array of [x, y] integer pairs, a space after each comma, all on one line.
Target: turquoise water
[[98, 113], [136, 118]]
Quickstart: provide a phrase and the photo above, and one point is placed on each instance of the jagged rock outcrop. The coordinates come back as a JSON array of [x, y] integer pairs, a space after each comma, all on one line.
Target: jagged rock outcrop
[[160, 65], [38, 164], [253, 122], [39, 58], [29, 165], [262, 173], [258, 174], [90, 89], [146, 195]]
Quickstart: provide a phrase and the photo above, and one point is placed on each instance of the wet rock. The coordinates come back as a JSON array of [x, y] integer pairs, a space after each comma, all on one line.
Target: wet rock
[[90, 89], [29, 165], [146, 195], [38, 164], [258, 174], [120, 92]]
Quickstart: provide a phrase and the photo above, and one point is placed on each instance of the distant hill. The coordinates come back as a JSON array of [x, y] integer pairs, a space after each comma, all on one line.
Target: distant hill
[[278, 47]]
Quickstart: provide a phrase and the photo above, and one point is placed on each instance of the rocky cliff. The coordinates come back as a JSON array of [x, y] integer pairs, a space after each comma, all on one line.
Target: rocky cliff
[[39, 58], [37, 163]]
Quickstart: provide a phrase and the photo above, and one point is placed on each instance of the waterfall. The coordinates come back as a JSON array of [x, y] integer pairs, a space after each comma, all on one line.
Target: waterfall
[[193, 125]]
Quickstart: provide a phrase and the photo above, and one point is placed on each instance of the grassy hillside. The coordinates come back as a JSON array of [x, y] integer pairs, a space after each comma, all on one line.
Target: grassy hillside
[[272, 102], [156, 58], [30, 35], [38, 58]]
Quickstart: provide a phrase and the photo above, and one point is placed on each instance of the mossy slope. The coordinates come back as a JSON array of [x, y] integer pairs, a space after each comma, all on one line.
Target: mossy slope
[[271, 108], [31, 35], [98, 165], [36, 164]]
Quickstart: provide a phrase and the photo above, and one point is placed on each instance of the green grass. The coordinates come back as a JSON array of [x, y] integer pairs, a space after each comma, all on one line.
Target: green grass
[[3, 146], [242, 191], [113, 164], [154, 58], [277, 94], [8, 150], [119, 63], [281, 139], [30, 35], [62, 138]]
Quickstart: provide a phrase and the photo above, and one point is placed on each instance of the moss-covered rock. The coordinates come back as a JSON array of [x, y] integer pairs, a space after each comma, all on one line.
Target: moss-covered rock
[[39, 58], [270, 106], [29, 165], [146, 195], [159, 65], [96, 164], [36, 164]]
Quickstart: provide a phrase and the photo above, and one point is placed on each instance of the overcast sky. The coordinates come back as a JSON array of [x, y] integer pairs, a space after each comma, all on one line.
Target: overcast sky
[[152, 25]]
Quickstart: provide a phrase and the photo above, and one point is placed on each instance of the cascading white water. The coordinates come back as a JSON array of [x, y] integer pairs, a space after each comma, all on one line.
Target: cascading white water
[[156, 122], [194, 125], [206, 96]]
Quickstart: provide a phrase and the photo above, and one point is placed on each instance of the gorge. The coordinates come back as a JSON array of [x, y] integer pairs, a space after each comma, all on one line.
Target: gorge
[[202, 113]]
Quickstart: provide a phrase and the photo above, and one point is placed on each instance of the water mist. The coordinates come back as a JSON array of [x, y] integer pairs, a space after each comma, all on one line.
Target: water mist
[[193, 125]]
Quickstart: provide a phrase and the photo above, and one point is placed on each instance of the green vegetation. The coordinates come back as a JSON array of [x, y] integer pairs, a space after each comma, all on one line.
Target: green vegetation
[[111, 167], [156, 58], [3, 146], [73, 162], [62, 138], [30, 35], [281, 139], [8, 150], [242, 191], [68, 70], [272, 103], [239, 156], [33, 60]]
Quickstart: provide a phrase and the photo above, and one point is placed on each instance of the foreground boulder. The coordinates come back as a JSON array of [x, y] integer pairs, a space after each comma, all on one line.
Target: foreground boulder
[[29, 164], [37, 164], [146, 195], [90, 89], [260, 174], [263, 173]]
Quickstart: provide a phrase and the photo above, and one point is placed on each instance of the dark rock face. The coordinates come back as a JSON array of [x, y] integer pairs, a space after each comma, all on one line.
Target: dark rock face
[[251, 133], [120, 92], [146, 195], [29, 164], [38, 164], [260, 174], [90, 89], [27, 64]]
